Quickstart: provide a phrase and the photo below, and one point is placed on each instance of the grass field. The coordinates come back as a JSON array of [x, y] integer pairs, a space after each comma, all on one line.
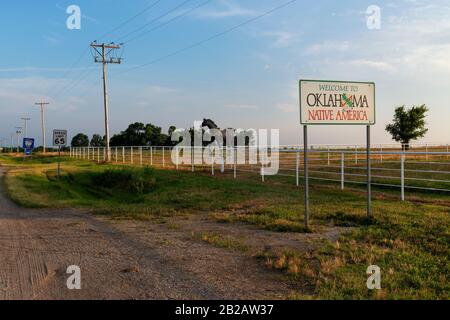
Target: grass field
[[409, 241]]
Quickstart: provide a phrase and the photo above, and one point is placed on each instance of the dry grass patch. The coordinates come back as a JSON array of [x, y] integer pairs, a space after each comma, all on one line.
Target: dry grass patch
[[220, 241]]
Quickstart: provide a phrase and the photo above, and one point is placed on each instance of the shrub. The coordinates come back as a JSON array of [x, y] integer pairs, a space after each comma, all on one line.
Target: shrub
[[135, 180]]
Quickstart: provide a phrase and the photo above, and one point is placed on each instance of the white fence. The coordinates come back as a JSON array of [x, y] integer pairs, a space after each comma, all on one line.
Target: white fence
[[422, 168]]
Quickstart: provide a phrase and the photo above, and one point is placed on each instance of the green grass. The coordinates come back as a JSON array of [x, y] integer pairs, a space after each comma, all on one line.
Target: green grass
[[409, 241]]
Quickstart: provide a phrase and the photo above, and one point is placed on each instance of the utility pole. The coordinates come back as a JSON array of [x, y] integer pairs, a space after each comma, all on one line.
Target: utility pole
[[18, 132], [104, 54], [25, 125], [42, 104]]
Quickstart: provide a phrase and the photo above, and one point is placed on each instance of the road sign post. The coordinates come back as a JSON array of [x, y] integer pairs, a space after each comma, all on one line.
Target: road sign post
[[59, 140], [336, 103], [306, 174], [28, 146]]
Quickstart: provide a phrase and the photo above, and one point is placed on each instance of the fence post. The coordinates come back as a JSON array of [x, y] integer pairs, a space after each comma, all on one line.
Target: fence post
[[131, 155], [328, 155], [402, 174], [235, 162], [381, 154], [123, 155], [192, 158], [98, 154], [151, 156], [212, 163], [262, 167], [140, 155], [177, 158], [297, 159], [342, 171], [116, 156], [164, 160]]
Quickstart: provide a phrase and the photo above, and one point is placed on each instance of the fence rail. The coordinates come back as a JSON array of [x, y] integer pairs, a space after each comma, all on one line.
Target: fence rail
[[415, 169]]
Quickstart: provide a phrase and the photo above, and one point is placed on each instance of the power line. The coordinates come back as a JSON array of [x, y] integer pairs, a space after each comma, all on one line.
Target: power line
[[121, 39], [75, 81], [82, 75], [130, 19], [168, 21], [72, 67], [88, 47], [217, 35]]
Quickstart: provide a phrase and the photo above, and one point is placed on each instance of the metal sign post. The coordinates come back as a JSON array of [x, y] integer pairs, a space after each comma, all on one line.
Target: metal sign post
[[337, 103], [59, 161], [59, 140], [305, 166], [369, 177]]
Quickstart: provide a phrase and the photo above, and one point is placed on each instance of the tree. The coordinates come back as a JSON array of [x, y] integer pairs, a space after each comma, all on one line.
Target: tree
[[169, 141], [138, 134], [80, 140], [97, 141], [154, 135], [408, 124]]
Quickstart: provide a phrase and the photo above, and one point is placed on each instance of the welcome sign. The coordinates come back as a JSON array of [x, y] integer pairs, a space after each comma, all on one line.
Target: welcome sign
[[337, 102]]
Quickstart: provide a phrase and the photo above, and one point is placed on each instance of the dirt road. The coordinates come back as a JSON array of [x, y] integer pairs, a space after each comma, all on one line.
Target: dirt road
[[119, 260]]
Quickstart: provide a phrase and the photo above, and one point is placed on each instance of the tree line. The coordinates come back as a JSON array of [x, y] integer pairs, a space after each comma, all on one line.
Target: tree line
[[137, 134], [407, 125]]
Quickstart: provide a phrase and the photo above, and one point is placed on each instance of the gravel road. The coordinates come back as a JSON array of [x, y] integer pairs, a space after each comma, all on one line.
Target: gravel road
[[118, 260]]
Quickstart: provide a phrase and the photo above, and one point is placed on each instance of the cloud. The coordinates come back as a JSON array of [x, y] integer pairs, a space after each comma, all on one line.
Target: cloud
[[43, 69], [286, 107], [52, 38], [378, 65], [328, 47], [227, 9], [242, 106], [282, 38]]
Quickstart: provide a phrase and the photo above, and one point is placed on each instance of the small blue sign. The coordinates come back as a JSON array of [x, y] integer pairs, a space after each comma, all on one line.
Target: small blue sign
[[28, 145]]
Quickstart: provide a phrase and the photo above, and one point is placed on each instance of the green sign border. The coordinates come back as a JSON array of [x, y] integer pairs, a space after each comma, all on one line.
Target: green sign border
[[333, 123]]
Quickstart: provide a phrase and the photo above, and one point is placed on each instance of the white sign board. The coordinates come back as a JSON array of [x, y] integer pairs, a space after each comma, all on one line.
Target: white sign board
[[337, 102], [60, 138]]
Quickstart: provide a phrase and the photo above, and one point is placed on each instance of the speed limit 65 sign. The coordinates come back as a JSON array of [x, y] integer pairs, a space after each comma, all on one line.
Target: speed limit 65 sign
[[60, 138]]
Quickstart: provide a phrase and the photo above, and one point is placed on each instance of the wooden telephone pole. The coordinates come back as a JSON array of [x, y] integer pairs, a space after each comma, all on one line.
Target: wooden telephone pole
[[42, 104], [25, 120], [104, 54]]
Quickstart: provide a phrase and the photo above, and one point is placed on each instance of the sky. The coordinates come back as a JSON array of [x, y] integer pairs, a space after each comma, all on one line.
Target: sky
[[185, 60]]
